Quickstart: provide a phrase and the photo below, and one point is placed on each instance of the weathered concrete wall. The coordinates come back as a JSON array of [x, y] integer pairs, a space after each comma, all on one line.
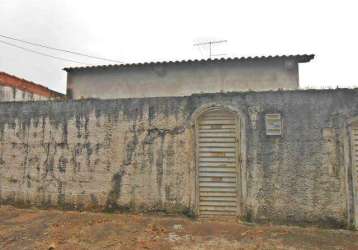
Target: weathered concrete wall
[[9, 94], [139, 154], [182, 79]]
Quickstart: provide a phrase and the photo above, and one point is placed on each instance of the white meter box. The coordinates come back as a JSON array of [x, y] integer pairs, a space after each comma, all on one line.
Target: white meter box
[[273, 124]]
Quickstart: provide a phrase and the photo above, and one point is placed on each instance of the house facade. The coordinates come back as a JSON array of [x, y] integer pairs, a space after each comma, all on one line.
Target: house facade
[[278, 154], [184, 78], [13, 88]]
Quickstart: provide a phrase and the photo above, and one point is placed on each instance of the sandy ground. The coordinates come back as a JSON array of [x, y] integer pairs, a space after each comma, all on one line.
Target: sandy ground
[[54, 229]]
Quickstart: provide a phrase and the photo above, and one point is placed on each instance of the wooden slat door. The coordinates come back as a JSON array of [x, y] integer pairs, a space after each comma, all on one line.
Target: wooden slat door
[[217, 163]]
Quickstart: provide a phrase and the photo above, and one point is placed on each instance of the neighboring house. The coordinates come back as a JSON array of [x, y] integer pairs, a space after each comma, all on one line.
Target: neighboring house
[[184, 78], [13, 88]]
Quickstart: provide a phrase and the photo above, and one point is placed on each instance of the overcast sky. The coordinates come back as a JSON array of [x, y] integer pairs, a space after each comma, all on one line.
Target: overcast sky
[[141, 31]]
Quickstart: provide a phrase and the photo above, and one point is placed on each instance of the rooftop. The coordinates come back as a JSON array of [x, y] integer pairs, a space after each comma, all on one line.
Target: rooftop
[[298, 58]]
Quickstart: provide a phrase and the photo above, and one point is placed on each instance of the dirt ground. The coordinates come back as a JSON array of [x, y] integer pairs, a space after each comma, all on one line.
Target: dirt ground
[[54, 229]]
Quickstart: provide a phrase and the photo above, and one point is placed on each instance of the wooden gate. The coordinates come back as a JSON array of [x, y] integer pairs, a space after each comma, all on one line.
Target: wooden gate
[[217, 159]]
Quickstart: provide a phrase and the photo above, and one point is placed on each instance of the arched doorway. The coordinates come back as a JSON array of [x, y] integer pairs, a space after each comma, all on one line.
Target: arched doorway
[[217, 159]]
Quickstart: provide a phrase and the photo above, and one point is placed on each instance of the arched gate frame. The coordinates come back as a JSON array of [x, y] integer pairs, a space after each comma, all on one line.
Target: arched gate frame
[[213, 111]]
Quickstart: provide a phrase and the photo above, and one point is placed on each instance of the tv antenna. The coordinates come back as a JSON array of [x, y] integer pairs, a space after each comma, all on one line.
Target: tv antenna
[[210, 43]]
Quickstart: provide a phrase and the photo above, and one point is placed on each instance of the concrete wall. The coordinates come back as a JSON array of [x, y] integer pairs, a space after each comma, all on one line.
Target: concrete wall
[[9, 94], [182, 79], [139, 154]]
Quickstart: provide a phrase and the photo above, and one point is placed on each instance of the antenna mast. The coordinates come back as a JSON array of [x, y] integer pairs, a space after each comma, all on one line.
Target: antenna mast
[[210, 43]]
